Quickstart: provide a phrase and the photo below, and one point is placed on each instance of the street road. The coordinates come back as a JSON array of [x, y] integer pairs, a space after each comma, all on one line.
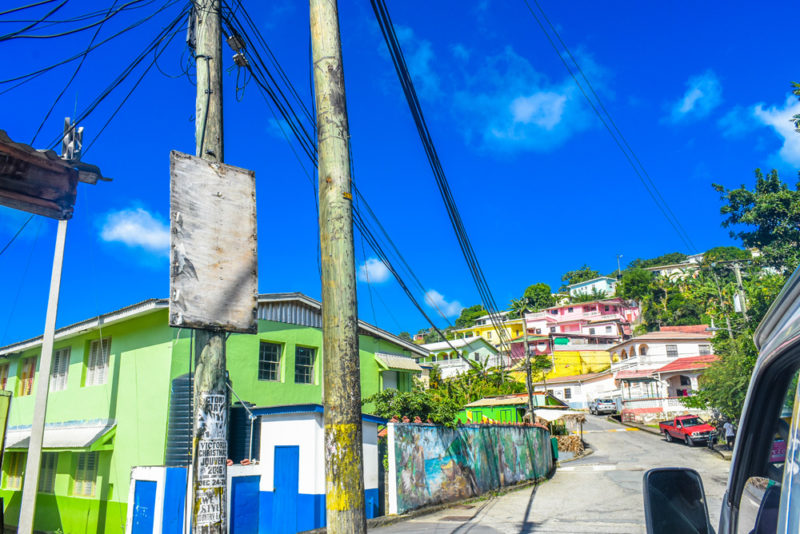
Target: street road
[[601, 493]]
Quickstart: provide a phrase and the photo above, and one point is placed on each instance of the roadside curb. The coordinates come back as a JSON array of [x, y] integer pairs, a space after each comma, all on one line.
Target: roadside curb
[[586, 452], [643, 428], [386, 520]]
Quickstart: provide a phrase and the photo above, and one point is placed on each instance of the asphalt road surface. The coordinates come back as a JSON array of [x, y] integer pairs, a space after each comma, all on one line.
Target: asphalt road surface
[[601, 493]]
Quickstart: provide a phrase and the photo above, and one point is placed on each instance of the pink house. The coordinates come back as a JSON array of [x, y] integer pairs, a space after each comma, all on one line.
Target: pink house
[[600, 321]]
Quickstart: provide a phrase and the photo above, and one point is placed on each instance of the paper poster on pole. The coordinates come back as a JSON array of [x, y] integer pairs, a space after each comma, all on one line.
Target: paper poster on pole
[[214, 261]]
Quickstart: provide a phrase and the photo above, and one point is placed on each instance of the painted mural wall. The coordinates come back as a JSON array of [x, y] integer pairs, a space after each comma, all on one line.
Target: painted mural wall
[[431, 464]]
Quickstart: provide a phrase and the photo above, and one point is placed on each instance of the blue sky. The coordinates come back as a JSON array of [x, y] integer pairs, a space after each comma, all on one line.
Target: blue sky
[[700, 92]]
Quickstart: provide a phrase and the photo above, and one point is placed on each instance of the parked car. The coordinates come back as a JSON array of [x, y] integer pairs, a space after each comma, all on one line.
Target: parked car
[[599, 406], [763, 490], [689, 429]]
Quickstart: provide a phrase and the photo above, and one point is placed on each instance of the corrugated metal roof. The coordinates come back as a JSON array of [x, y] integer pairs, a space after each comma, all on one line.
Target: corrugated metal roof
[[461, 342], [68, 435], [291, 308], [397, 362], [689, 363]]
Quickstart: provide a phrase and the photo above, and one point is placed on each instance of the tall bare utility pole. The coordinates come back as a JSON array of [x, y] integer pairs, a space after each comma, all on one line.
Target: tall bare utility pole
[[344, 480], [209, 449], [740, 286], [528, 379]]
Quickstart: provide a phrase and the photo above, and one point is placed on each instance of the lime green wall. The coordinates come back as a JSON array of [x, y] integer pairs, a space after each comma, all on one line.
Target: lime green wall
[[242, 356], [145, 355], [136, 395]]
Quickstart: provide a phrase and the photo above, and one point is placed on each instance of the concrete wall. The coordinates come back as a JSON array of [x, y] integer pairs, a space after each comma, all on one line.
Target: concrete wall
[[431, 464]]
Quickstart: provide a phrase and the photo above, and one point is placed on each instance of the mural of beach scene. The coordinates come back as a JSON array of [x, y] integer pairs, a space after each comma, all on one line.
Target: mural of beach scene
[[430, 464]]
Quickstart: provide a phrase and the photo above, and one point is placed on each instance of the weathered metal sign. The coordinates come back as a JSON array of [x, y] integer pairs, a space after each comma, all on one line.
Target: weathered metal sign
[[214, 262]]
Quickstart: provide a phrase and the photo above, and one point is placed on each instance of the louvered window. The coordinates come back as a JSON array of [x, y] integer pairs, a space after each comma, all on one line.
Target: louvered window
[[3, 376], [26, 376], [47, 473], [59, 370], [97, 363], [15, 467], [85, 474]]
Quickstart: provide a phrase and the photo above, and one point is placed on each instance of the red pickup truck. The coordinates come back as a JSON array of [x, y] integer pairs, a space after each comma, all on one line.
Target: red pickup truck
[[687, 428]]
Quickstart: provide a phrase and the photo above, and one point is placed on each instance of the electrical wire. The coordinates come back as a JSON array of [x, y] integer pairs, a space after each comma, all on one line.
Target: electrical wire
[[274, 95], [18, 34], [25, 78], [398, 59], [21, 228], [20, 8], [34, 23], [69, 82], [610, 125], [165, 32]]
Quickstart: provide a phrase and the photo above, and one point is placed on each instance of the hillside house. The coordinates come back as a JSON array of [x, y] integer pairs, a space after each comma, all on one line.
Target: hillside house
[[120, 396]]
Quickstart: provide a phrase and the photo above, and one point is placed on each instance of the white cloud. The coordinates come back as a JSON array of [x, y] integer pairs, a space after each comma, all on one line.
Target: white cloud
[[703, 94], [779, 120], [419, 57], [434, 299], [507, 105], [136, 227], [737, 122], [373, 271]]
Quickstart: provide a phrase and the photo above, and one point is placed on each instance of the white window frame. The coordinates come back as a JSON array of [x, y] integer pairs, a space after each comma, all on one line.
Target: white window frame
[[47, 473], [97, 362], [265, 365], [672, 349], [85, 478], [704, 349], [59, 369]]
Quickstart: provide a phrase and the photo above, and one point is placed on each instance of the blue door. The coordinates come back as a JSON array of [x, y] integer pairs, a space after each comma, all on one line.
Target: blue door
[[284, 505], [144, 506], [244, 505]]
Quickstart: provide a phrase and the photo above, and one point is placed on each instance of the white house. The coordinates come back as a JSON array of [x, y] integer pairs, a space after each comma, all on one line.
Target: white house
[[604, 284], [476, 349], [578, 390], [655, 370]]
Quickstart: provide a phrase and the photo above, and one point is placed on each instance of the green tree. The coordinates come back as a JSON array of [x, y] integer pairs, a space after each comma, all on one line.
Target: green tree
[[536, 297], [404, 335], [577, 276], [635, 284], [667, 259], [770, 217], [796, 118], [425, 404], [468, 316], [726, 254]]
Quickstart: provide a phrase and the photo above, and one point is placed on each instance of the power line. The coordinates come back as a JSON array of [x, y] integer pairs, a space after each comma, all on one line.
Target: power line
[[72, 78], [271, 88], [20, 8], [21, 228], [611, 126], [18, 34], [25, 78], [398, 59]]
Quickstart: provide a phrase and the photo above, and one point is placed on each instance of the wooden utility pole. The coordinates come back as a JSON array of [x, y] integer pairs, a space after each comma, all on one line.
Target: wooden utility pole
[[528, 379], [344, 479], [210, 437], [740, 286]]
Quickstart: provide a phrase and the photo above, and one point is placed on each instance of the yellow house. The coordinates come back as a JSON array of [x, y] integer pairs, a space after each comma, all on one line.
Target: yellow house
[[484, 328], [571, 361]]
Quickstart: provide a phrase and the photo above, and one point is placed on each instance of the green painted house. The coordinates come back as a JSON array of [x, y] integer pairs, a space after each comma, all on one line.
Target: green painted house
[[119, 397]]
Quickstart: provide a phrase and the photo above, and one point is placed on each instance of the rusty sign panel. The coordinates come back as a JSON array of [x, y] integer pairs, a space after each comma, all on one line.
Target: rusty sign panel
[[214, 264]]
